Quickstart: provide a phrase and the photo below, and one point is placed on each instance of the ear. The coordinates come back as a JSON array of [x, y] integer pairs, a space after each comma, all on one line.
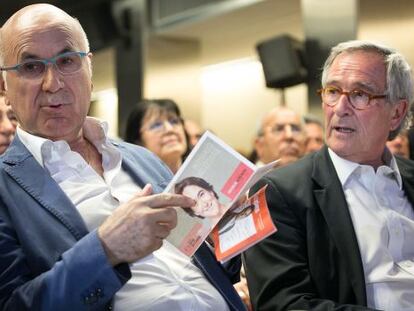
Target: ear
[[258, 145], [399, 111], [2, 83]]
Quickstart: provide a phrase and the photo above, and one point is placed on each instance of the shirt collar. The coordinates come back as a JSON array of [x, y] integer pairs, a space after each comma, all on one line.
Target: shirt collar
[[344, 168], [95, 130]]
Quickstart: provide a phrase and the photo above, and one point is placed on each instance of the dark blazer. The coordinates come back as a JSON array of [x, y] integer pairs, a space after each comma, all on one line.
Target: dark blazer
[[313, 261], [48, 259]]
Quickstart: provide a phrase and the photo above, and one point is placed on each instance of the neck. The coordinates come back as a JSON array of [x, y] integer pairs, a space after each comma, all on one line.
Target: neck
[[89, 153], [174, 164], [80, 145]]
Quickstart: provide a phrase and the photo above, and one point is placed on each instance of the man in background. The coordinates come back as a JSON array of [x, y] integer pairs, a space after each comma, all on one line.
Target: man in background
[[193, 130], [280, 136], [400, 145], [8, 124], [314, 134]]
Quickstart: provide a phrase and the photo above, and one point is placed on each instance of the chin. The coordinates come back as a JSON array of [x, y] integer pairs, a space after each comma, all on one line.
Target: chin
[[174, 151]]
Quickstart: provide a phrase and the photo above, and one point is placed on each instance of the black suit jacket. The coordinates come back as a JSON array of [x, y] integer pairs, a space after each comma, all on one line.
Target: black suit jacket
[[313, 261]]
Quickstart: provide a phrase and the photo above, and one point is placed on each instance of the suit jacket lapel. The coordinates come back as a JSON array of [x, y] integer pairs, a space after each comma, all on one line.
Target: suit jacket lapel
[[138, 173], [334, 208], [22, 166]]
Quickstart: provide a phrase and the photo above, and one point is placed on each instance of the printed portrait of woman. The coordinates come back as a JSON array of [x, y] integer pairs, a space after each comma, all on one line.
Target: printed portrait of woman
[[207, 201]]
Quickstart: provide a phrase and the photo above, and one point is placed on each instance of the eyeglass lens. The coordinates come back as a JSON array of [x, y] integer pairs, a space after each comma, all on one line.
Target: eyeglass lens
[[280, 128], [159, 125], [66, 63]]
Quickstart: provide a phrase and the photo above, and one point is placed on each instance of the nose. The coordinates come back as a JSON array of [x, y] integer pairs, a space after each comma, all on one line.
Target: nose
[[52, 79], [288, 131], [343, 106], [168, 126]]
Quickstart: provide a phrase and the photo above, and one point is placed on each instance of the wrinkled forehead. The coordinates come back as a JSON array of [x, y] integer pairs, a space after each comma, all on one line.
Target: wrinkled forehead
[[30, 30], [283, 116]]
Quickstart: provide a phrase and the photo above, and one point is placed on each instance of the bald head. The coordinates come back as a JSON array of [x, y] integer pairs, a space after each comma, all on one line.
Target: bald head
[[50, 95], [39, 16], [280, 136]]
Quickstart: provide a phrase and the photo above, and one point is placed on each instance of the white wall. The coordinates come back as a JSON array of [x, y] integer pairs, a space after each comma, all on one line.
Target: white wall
[[210, 68]]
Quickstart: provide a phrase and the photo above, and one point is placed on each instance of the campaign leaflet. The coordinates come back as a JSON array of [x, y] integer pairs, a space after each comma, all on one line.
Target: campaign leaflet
[[215, 176], [242, 227]]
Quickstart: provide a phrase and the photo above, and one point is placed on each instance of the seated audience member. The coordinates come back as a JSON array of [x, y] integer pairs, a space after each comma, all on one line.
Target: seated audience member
[[194, 132], [280, 136], [400, 145], [314, 134], [8, 124], [344, 214], [157, 125], [80, 227]]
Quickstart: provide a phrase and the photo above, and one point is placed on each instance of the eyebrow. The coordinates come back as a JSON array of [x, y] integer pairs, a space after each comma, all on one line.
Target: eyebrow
[[358, 85], [26, 56], [200, 193]]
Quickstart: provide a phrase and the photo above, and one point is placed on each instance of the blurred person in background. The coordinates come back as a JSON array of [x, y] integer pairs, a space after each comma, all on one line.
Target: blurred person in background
[[194, 132], [314, 134], [400, 145], [157, 125], [8, 124], [280, 136]]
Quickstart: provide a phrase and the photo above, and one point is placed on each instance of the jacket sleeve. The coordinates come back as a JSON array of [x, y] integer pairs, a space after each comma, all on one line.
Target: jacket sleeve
[[277, 269], [82, 279]]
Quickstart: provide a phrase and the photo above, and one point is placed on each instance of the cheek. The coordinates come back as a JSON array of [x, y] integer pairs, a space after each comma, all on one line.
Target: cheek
[[150, 141], [181, 134], [197, 208], [271, 141]]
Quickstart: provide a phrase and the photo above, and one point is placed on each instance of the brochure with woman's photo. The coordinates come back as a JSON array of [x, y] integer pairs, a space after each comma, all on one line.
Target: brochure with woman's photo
[[243, 226], [215, 176]]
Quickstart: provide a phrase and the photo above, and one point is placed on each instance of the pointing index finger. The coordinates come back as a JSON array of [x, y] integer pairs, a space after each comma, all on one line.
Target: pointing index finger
[[168, 200]]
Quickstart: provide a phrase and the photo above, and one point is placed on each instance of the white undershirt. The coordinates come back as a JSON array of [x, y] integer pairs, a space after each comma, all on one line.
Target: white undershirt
[[164, 280], [383, 220]]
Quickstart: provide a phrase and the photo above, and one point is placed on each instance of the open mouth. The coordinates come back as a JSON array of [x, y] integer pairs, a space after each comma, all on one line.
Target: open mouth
[[342, 129]]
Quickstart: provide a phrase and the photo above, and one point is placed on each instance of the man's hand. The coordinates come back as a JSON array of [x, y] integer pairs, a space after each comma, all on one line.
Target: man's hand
[[137, 228]]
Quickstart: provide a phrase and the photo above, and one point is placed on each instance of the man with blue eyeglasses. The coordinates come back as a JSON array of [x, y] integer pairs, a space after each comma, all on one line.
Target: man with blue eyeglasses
[[344, 214], [80, 227]]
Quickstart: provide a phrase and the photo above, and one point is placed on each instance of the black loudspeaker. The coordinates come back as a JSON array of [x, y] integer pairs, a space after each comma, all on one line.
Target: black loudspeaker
[[283, 62]]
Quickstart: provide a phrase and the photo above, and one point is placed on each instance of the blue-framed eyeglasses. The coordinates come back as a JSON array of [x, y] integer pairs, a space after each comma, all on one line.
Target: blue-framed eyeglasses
[[65, 63]]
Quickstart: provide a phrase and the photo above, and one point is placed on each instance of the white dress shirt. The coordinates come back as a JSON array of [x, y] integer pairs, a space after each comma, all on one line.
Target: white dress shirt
[[164, 280], [383, 220]]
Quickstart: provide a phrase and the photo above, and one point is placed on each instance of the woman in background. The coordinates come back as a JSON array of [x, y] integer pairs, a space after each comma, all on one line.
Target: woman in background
[[157, 125]]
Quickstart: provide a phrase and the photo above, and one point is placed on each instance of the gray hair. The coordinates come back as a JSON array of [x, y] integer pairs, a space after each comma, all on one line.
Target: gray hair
[[263, 120], [399, 80]]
